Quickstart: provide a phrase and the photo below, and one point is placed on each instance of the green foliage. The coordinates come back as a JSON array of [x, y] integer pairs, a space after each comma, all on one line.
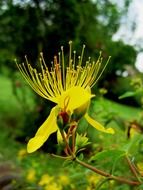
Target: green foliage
[[120, 59], [110, 157], [81, 142], [107, 152], [133, 144], [129, 94], [137, 90]]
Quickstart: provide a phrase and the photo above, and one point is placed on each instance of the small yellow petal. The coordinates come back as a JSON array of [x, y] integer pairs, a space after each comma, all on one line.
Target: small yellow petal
[[81, 110], [97, 125], [74, 98], [43, 133], [59, 137]]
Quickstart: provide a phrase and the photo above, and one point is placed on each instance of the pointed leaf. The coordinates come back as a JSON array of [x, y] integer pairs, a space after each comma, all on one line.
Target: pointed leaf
[[108, 158], [128, 94]]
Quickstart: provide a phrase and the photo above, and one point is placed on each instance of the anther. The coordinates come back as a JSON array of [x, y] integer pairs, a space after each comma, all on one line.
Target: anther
[[70, 42]]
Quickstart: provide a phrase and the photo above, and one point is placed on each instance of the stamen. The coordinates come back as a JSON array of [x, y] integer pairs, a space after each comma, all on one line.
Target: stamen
[[74, 56], [82, 53], [26, 59], [43, 61], [89, 59], [52, 66], [63, 67], [51, 83], [79, 60], [56, 65], [70, 51], [66, 102], [101, 71], [59, 54]]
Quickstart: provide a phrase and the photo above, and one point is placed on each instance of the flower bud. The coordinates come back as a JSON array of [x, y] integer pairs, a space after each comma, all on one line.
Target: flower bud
[[60, 122], [80, 112], [63, 119]]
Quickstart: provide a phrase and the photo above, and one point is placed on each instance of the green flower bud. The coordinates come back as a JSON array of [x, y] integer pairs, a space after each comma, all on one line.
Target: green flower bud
[[60, 122], [80, 112], [63, 119]]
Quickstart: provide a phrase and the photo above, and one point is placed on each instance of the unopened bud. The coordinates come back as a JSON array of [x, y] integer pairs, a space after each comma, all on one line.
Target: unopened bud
[[80, 112], [60, 122], [63, 119]]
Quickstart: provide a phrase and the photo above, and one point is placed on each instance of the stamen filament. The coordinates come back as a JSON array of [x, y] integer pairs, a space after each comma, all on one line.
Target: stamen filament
[[51, 84]]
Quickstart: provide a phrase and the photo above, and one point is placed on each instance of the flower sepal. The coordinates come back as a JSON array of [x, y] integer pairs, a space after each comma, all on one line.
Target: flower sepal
[[80, 112], [63, 119], [81, 142]]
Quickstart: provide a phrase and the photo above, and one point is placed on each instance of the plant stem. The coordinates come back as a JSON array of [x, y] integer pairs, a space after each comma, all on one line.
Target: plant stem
[[62, 157], [132, 168], [120, 179], [73, 140], [94, 169], [67, 145]]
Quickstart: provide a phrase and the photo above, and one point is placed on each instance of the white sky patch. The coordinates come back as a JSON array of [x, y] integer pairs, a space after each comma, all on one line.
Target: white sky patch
[[133, 37], [134, 15], [138, 6], [139, 62]]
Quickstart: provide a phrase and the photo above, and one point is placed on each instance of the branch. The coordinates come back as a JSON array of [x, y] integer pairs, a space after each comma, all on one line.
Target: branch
[[111, 177], [132, 168]]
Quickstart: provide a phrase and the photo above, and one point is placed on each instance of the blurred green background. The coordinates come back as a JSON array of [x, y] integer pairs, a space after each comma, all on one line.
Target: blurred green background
[[28, 27]]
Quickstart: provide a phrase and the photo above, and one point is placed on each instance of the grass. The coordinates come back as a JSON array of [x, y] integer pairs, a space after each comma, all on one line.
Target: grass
[[7, 100], [11, 91]]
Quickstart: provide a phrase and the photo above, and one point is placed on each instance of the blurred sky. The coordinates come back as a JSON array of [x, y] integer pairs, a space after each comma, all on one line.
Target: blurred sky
[[131, 30]]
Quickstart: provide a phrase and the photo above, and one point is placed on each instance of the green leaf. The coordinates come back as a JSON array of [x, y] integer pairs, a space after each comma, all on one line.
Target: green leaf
[[131, 93], [108, 158], [140, 187], [81, 141], [113, 154], [133, 143], [81, 156], [128, 94], [67, 163]]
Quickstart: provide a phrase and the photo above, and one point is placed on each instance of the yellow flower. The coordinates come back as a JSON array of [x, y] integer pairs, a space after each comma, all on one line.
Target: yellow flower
[[140, 167], [45, 179], [89, 188], [47, 182], [68, 85], [64, 180], [31, 176], [22, 153], [93, 179], [53, 186]]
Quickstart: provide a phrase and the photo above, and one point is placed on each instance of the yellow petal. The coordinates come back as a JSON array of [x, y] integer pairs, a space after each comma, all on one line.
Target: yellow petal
[[43, 133], [97, 125], [81, 111], [74, 98]]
